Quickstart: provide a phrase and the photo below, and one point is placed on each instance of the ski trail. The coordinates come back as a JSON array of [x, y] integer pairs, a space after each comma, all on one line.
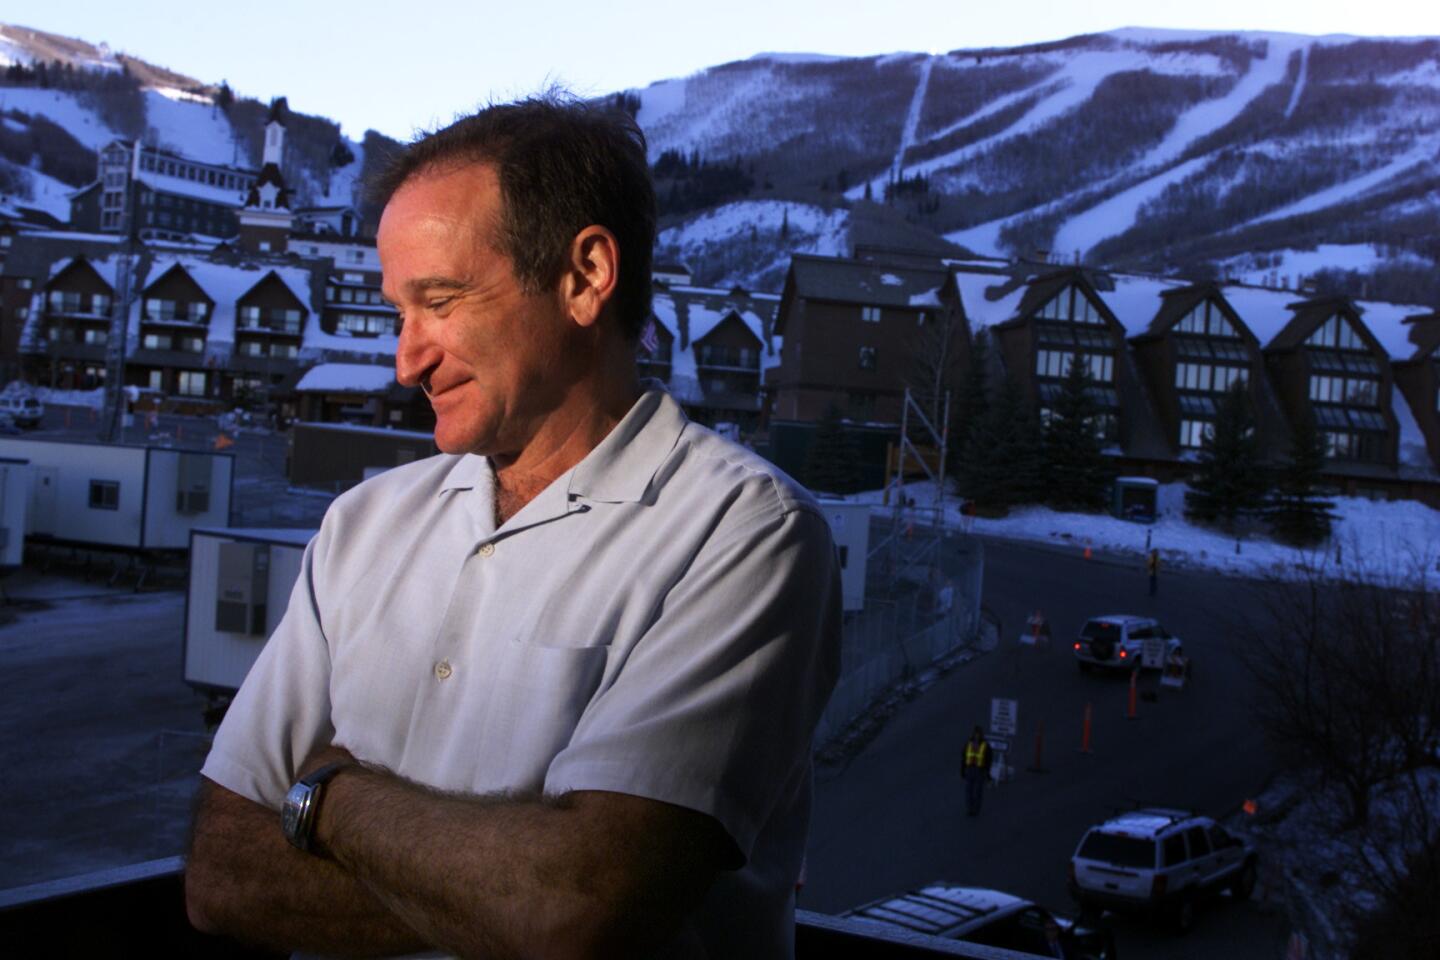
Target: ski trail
[[1117, 214], [912, 119], [1422, 153], [1299, 81]]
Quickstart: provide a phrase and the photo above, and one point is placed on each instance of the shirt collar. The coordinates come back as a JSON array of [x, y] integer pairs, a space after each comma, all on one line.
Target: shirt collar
[[620, 468]]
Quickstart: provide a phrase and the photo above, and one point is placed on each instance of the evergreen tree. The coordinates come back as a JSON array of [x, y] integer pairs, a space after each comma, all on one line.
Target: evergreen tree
[[1296, 511], [1004, 462], [785, 224], [971, 400], [830, 463], [869, 194], [1074, 464], [1228, 481], [224, 97]]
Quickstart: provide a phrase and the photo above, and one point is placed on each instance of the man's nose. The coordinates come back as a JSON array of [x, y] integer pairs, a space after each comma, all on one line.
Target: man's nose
[[415, 354]]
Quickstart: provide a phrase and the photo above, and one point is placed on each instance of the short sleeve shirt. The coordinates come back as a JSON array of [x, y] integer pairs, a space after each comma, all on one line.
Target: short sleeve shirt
[[663, 621]]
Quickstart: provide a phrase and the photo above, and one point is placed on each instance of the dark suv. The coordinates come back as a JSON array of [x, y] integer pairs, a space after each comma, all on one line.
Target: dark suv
[[988, 917]]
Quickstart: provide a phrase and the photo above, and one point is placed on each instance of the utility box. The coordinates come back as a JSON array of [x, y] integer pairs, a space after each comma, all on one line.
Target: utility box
[[850, 527], [1136, 498], [239, 585]]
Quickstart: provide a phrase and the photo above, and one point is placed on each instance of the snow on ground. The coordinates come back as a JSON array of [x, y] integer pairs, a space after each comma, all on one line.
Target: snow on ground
[[1382, 541], [49, 194], [62, 108], [199, 131], [1293, 264]]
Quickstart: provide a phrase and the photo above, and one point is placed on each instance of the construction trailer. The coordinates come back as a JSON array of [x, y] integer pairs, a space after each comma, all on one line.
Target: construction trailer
[[239, 585], [118, 496], [14, 501], [337, 456]]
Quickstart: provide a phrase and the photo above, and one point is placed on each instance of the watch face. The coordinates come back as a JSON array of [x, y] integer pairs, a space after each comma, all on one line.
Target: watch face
[[292, 814]]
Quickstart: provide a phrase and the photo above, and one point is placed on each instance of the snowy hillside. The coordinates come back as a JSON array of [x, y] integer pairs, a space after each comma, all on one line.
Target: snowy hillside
[[62, 100], [749, 243]]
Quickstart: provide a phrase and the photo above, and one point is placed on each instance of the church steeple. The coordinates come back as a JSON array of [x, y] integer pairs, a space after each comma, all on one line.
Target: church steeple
[[265, 220]]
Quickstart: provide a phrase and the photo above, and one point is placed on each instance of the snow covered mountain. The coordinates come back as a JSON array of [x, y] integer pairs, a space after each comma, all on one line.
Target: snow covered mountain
[[1148, 149], [1254, 155]]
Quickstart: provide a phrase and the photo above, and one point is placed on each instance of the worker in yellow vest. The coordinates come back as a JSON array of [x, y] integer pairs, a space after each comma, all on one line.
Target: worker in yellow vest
[[978, 757]]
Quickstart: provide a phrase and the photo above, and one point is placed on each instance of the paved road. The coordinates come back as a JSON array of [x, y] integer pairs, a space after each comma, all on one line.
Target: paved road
[[893, 818]]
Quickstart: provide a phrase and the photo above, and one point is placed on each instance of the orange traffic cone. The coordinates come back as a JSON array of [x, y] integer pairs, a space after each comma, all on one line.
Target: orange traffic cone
[[1088, 554], [1134, 678]]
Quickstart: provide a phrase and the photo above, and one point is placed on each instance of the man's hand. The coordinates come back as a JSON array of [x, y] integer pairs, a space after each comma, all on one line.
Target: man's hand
[[243, 879]]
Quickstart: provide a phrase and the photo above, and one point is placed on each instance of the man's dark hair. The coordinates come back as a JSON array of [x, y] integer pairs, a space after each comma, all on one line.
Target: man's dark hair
[[563, 165]]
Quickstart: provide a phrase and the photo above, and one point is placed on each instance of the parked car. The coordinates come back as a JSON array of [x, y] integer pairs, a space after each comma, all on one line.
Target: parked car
[[1117, 641], [990, 917], [1160, 861], [25, 411]]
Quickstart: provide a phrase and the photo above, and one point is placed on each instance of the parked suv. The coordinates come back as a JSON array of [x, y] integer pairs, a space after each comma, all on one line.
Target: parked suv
[[990, 917], [1160, 860], [1117, 641], [26, 411]]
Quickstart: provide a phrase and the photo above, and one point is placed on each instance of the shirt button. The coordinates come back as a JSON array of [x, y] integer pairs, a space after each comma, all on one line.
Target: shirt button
[[486, 549], [443, 670]]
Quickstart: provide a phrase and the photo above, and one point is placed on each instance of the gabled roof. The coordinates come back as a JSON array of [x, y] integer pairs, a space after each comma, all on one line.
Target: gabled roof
[[102, 267], [1178, 301], [859, 282], [1310, 314], [1041, 288], [165, 271]]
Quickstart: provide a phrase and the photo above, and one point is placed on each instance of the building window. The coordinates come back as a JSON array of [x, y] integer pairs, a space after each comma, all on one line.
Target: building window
[[288, 351], [1349, 390], [252, 348], [867, 358], [870, 314], [157, 341], [1338, 333], [192, 383], [26, 283], [104, 495], [192, 344], [157, 380], [97, 337], [1193, 432]]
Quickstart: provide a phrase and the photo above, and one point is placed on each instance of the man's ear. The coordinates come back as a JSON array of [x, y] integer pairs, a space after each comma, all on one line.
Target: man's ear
[[591, 275]]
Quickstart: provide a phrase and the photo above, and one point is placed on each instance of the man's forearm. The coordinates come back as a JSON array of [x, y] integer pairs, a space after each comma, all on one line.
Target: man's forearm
[[243, 879], [501, 877]]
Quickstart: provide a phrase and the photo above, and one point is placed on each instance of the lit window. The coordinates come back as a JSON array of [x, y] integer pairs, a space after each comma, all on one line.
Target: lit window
[[870, 314]]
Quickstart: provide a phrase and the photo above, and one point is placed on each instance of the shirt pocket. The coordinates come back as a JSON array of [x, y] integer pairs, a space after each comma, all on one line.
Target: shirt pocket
[[537, 697]]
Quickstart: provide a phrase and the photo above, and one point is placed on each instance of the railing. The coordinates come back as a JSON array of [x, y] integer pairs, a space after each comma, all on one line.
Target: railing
[[139, 910]]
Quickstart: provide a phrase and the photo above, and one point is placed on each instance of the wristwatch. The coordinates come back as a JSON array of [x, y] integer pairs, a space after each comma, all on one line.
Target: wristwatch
[[302, 805]]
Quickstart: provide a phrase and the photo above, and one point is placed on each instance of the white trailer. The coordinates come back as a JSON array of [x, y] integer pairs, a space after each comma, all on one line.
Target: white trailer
[[14, 499], [121, 496], [239, 584], [850, 526]]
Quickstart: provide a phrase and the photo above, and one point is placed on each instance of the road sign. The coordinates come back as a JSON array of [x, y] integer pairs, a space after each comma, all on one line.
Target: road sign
[[1004, 717], [1152, 655]]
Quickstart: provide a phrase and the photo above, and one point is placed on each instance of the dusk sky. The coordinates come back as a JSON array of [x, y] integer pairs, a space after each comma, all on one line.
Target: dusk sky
[[397, 67]]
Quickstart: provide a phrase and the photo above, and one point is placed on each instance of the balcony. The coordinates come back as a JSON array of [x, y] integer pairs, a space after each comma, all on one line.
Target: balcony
[[140, 911], [60, 303], [727, 358], [272, 321]]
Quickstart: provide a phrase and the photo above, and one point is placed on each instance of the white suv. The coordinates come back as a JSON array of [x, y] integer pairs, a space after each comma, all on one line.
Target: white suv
[[1117, 641], [1160, 860], [25, 410]]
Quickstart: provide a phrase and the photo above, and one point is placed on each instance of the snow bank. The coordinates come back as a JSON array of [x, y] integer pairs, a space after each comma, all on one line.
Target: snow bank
[[347, 378], [1371, 540]]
